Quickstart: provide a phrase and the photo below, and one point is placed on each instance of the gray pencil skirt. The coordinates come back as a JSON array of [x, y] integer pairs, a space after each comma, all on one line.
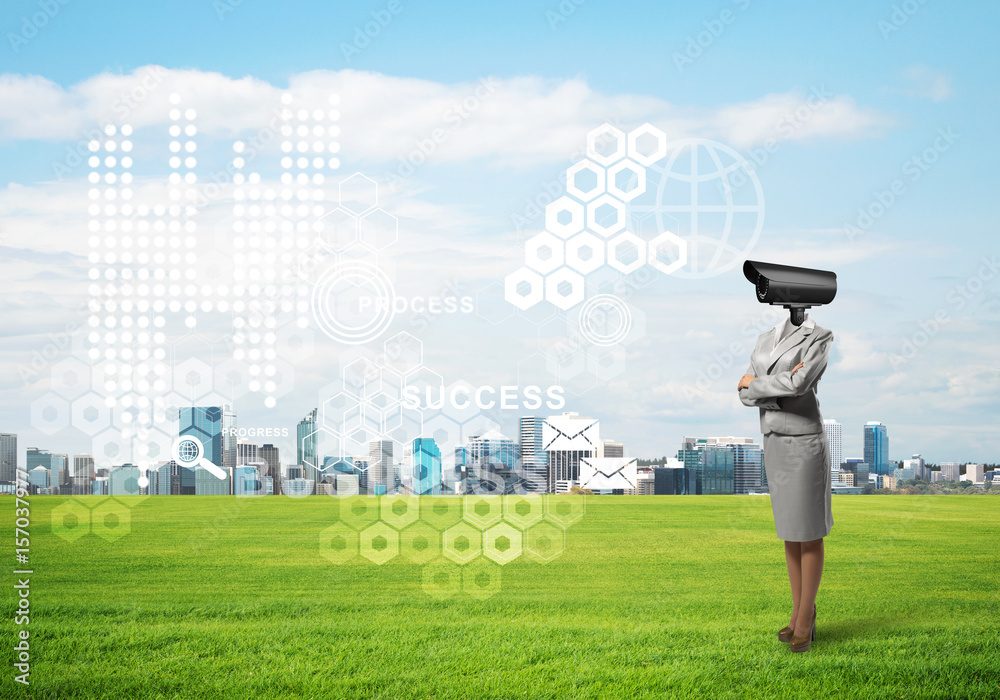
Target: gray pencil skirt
[[799, 479]]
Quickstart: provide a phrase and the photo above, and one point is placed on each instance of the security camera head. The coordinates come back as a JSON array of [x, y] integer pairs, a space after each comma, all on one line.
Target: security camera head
[[795, 288]]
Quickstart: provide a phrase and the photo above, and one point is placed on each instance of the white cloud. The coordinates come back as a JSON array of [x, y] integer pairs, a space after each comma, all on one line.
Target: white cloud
[[927, 83]]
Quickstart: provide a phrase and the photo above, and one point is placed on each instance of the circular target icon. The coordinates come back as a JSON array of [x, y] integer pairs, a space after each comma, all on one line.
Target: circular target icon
[[353, 302]]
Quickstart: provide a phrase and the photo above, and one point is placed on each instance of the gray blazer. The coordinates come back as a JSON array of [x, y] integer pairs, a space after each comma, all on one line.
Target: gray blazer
[[787, 401]]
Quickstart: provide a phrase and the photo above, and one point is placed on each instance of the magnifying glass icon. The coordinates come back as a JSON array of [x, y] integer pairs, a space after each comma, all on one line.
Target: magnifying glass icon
[[189, 452]]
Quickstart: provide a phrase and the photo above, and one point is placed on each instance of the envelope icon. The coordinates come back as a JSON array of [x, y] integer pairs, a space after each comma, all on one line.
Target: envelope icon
[[608, 473], [571, 433]]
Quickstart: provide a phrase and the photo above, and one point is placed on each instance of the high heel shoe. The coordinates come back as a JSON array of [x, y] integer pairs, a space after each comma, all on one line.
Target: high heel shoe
[[785, 634], [803, 643]]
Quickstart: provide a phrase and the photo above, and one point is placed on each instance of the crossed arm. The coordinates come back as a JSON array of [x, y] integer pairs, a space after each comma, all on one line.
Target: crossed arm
[[765, 390]]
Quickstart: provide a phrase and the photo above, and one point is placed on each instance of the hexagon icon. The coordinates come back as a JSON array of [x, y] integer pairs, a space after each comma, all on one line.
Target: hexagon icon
[[564, 217], [192, 378], [338, 543], [462, 542], [565, 359], [360, 375], [295, 345], [338, 230], [440, 511], [378, 543], [338, 410], [543, 252], [606, 144], [626, 180], [544, 541], [233, 378], [70, 520], [606, 215], [50, 413], [502, 543], [646, 144], [400, 510], [483, 511], [605, 363], [585, 180], [420, 543], [379, 229], [564, 509], [667, 252], [523, 510], [523, 288], [358, 193], [564, 288], [111, 520], [445, 431], [585, 252], [626, 252], [70, 378], [441, 579], [359, 511], [403, 352], [490, 303], [481, 579]]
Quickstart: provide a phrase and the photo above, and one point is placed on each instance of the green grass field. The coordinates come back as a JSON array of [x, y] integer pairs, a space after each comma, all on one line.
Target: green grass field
[[653, 597]]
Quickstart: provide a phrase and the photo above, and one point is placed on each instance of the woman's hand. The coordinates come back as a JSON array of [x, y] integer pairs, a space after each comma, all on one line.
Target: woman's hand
[[745, 381], [797, 367]]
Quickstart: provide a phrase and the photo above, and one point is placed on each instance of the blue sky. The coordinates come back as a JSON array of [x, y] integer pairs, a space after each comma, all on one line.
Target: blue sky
[[896, 86]]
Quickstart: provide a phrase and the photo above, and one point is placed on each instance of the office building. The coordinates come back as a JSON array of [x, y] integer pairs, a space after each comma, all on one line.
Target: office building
[[645, 484], [903, 474], [877, 447], [534, 458], [748, 462], [270, 455], [83, 475], [834, 438], [159, 479], [950, 471], [8, 458], [674, 479], [714, 465], [39, 479], [124, 481], [247, 481], [859, 470], [610, 448], [381, 478], [247, 452], [916, 463], [207, 424], [208, 484], [229, 439], [567, 439], [888, 482], [426, 467], [974, 473], [491, 464], [305, 446]]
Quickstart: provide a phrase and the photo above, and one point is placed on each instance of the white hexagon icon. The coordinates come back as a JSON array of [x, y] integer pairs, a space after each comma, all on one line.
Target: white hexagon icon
[[647, 144], [606, 144], [502, 543], [564, 288], [358, 194], [50, 413], [338, 229], [667, 252], [403, 352], [564, 217], [606, 215], [543, 252], [71, 378], [585, 252], [523, 288], [192, 378], [626, 252], [379, 229], [585, 180], [626, 180]]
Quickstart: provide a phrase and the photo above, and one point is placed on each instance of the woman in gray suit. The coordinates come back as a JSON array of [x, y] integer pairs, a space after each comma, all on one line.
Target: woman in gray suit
[[785, 367]]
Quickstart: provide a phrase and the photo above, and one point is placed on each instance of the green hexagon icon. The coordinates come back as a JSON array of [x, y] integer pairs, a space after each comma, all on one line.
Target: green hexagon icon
[[359, 511], [523, 510], [483, 510], [420, 543], [338, 543], [462, 542], [502, 543], [481, 579], [379, 543], [111, 520], [400, 510], [440, 511], [544, 541], [70, 520], [441, 579], [564, 508]]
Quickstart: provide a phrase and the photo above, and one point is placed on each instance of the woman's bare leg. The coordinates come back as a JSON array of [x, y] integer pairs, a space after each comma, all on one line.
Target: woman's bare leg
[[811, 572], [793, 558]]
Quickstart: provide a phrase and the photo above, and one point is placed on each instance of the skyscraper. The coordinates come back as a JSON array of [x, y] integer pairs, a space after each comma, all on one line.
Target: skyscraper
[[610, 448], [748, 462], [229, 439], [8, 458], [206, 423], [713, 464], [83, 475], [270, 454], [834, 437], [568, 439], [381, 478], [247, 452], [877, 447], [305, 446], [534, 459], [491, 463], [426, 467]]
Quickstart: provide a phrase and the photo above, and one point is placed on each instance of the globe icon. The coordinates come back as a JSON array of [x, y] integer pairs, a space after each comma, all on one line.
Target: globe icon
[[188, 451], [709, 195]]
